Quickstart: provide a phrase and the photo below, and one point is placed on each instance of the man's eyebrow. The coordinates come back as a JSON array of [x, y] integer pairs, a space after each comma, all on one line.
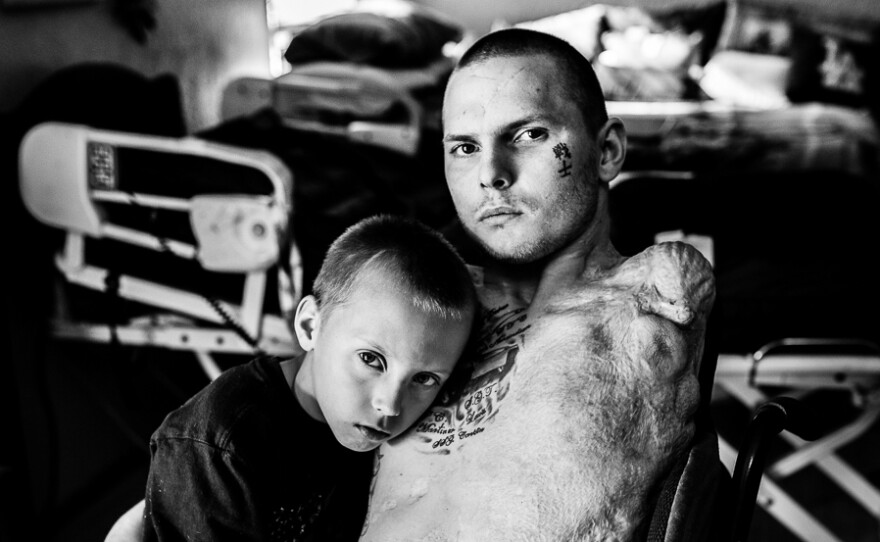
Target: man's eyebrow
[[519, 123]]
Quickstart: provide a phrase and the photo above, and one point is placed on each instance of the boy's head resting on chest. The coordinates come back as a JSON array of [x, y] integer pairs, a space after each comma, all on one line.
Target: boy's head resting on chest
[[391, 313]]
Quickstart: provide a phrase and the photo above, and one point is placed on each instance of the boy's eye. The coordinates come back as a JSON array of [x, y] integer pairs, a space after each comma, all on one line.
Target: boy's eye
[[371, 359], [426, 379]]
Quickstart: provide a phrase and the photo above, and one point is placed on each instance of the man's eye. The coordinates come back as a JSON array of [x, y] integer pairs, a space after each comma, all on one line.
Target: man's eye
[[371, 359], [463, 149], [426, 379], [532, 134]]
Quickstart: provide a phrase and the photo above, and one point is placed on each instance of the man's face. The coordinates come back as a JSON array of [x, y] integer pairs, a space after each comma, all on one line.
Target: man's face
[[376, 362], [520, 163]]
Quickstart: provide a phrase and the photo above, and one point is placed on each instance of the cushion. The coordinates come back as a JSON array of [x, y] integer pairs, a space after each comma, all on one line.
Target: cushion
[[753, 27], [702, 24], [638, 47], [628, 84], [748, 80], [834, 65], [405, 37], [639, 54], [582, 28]]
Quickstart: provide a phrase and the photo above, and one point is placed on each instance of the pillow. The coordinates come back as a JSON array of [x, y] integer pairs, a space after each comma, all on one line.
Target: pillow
[[677, 32], [702, 24], [835, 65], [757, 28], [640, 84], [638, 48], [582, 28], [748, 80], [407, 37], [640, 54]]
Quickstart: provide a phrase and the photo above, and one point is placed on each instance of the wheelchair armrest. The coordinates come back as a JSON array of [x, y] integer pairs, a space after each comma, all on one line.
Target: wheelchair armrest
[[769, 419]]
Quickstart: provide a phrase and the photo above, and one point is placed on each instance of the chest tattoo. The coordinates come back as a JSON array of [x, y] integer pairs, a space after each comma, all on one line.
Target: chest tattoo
[[502, 328], [502, 335]]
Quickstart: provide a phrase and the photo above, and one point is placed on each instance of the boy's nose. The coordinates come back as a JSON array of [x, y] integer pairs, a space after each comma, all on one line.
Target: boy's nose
[[387, 399]]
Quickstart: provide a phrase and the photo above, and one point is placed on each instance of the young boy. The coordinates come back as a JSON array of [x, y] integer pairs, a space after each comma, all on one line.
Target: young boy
[[256, 455]]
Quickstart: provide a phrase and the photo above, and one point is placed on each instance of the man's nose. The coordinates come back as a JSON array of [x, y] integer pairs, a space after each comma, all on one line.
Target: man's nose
[[495, 170], [387, 398]]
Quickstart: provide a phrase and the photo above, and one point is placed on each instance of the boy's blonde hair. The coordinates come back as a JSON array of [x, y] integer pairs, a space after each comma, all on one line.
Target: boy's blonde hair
[[415, 257]]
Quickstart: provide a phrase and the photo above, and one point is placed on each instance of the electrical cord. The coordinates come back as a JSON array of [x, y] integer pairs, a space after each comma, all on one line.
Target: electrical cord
[[227, 318]]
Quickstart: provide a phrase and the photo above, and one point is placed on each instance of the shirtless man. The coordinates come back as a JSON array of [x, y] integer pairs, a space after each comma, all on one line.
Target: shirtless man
[[584, 384]]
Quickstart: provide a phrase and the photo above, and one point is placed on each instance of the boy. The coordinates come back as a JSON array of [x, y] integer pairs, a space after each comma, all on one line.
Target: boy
[[256, 455]]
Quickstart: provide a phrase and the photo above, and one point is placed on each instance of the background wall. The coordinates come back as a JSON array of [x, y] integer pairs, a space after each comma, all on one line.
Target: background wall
[[205, 43]]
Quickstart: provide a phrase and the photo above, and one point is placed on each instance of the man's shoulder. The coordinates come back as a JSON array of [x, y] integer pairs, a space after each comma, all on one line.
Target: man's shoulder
[[673, 280], [684, 255]]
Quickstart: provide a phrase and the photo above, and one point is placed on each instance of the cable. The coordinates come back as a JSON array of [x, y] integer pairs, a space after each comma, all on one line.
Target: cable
[[235, 326], [227, 318]]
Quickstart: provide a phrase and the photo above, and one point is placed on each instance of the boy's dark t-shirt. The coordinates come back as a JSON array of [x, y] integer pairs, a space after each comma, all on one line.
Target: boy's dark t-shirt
[[241, 460]]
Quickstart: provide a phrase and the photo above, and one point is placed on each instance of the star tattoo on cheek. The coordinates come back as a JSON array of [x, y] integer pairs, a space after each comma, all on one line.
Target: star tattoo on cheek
[[563, 154]]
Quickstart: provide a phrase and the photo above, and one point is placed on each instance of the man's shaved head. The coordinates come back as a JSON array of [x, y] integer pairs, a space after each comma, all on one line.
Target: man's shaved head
[[578, 77]]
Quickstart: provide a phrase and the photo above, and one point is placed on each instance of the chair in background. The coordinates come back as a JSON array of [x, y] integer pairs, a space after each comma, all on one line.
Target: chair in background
[[793, 254]]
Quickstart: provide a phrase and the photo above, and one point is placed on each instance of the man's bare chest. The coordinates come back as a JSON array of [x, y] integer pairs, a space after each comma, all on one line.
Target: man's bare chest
[[555, 358]]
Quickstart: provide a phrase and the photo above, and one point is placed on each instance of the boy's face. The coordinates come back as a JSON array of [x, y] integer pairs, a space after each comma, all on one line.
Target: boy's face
[[374, 363]]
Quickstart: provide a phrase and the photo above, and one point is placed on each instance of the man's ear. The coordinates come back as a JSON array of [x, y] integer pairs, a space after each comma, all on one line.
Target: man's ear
[[305, 322], [612, 149]]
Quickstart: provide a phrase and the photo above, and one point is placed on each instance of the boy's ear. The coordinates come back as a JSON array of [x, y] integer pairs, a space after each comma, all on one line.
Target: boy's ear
[[305, 322]]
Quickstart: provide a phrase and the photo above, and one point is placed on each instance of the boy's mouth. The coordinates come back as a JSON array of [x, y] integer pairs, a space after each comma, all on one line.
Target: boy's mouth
[[372, 433]]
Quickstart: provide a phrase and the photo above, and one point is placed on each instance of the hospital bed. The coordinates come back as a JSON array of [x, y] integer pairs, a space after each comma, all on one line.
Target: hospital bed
[[195, 234]]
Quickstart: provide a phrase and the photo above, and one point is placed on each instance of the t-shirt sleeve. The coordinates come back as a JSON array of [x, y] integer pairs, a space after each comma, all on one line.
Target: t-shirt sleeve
[[197, 491]]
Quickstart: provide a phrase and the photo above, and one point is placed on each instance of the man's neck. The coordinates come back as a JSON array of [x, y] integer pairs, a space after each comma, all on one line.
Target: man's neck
[[516, 283], [588, 255]]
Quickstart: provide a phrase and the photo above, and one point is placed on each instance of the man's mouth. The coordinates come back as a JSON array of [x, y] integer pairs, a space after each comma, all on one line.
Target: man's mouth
[[497, 212], [371, 433]]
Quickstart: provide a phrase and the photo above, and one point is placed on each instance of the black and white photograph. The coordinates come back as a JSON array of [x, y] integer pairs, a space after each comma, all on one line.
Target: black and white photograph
[[440, 271]]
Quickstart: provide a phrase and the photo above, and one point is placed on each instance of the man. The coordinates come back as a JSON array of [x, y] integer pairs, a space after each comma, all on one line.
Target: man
[[584, 385]]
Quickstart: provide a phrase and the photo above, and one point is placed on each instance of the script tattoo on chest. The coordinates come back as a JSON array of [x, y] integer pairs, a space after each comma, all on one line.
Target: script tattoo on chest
[[502, 334], [501, 329]]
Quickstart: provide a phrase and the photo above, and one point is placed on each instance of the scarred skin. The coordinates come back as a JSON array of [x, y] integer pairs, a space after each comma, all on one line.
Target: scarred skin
[[572, 424], [585, 387]]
